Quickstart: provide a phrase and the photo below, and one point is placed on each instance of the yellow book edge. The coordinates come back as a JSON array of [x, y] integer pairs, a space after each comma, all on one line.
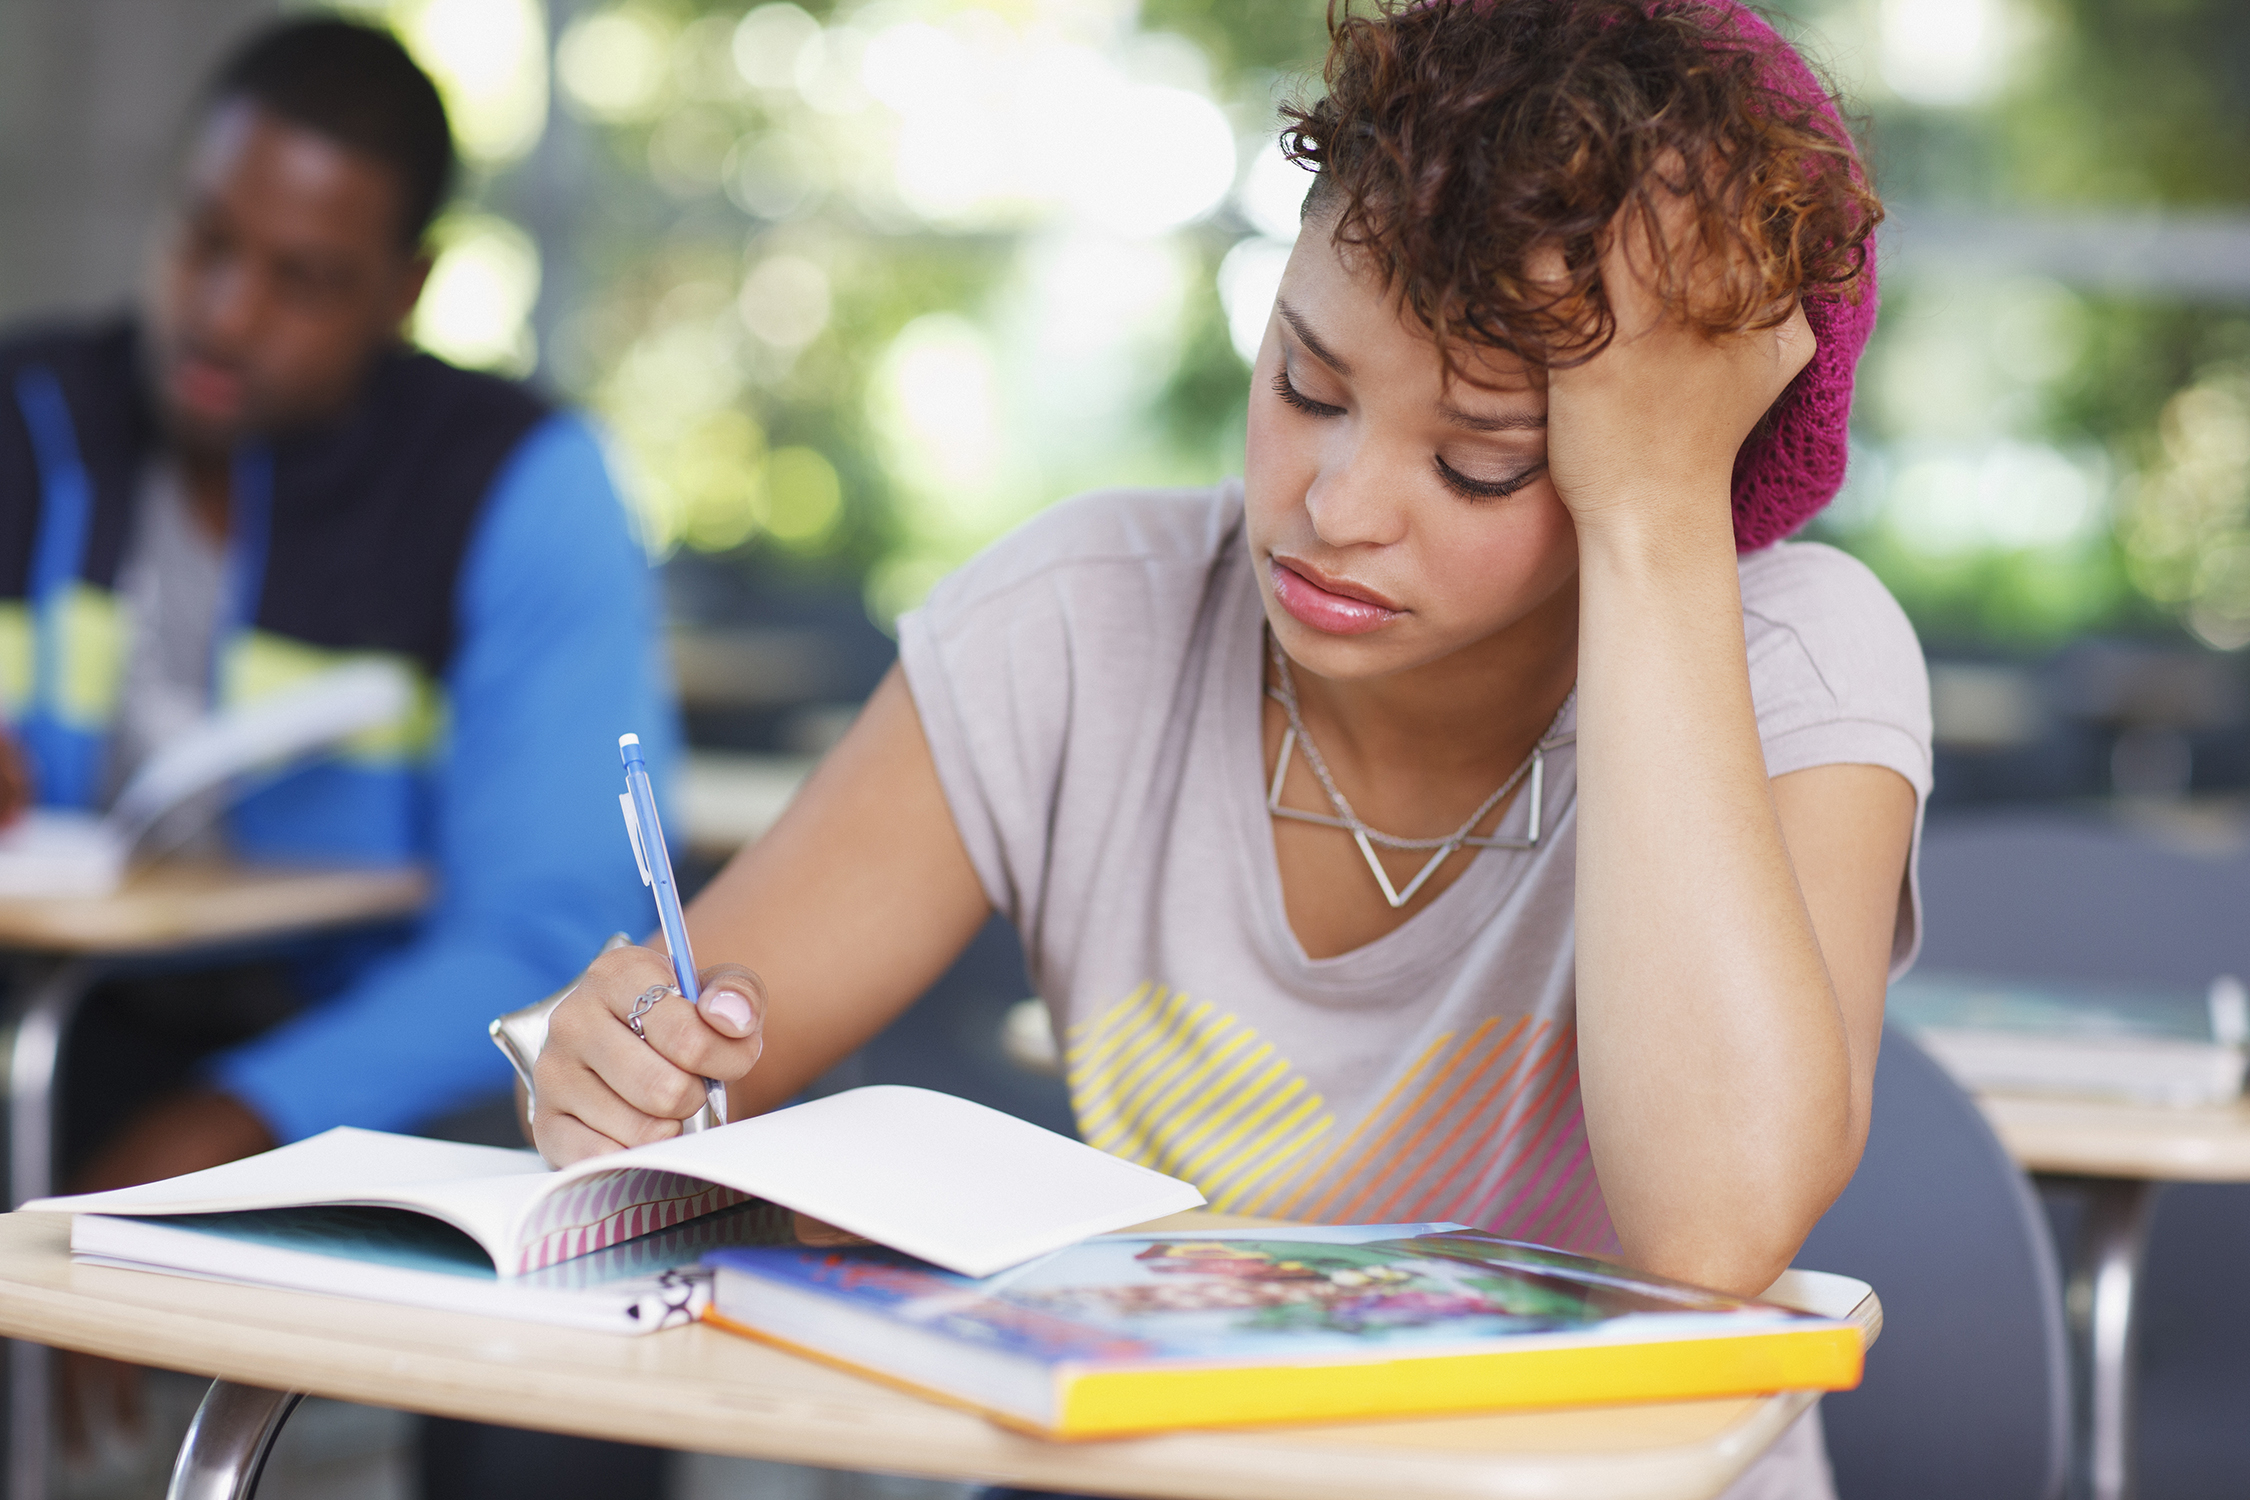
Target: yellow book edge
[[1121, 1403]]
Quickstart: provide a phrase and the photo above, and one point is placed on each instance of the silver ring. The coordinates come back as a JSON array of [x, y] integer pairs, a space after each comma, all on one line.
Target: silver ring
[[646, 1003]]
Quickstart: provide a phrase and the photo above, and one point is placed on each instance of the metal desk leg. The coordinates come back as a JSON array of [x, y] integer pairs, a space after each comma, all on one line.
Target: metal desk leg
[[31, 1371], [35, 1036], [228, 1443], [2104, 1287]]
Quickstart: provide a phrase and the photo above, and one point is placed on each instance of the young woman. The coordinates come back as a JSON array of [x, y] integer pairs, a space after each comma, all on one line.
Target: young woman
[[1472, 813]]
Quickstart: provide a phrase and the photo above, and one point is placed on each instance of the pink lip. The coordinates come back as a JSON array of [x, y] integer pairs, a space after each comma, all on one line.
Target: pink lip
[[1332, 605]]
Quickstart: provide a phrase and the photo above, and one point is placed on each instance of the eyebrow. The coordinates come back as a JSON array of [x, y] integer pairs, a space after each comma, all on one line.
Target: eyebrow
[[1454, 415], [1310, 340]]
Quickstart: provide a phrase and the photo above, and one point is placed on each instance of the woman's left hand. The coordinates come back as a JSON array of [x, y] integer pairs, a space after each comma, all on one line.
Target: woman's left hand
[[1653, 422]]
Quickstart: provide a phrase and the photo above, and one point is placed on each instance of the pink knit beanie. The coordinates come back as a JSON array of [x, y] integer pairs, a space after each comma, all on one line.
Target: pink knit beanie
[[1793, 464]]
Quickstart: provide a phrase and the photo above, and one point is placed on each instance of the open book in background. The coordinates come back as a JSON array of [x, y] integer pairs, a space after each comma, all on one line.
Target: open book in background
[[951, 1182], [1143, 1332], [2177, 1047], [57, 852]]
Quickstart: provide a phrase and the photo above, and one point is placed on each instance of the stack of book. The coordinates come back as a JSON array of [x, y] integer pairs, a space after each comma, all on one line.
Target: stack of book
[[971, 1257], [2151, 1046]]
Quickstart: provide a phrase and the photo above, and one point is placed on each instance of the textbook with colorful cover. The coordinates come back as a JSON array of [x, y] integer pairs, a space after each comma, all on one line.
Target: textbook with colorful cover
[[604, 1242], [1144, 1332]]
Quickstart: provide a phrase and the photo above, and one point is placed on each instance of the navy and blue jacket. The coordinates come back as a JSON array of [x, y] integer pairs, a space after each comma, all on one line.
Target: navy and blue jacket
[[451, 523]]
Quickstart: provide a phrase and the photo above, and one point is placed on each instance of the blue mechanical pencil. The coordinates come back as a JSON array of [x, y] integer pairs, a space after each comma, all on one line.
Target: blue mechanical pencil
[[647, 834]]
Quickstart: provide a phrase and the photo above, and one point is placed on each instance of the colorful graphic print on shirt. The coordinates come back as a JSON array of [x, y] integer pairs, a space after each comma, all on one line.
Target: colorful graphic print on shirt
[[1484, 1127]]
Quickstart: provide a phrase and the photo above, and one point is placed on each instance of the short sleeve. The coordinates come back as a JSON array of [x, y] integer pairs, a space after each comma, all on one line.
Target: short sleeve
[[1046, 672], [1837, 677], [988, 663]]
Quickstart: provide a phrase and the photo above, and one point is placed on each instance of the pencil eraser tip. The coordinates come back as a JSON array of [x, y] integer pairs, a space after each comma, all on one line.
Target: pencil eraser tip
[[627, 739]]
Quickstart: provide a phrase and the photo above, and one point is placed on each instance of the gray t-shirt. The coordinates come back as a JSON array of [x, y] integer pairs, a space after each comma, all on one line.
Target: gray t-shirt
[[1091, 689]]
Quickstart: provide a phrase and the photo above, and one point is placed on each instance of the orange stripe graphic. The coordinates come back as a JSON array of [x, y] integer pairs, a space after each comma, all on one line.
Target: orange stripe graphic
[[1406, 1114], [1368, 1172], [1313, 1176], [1535, 1119], [1490, 1079]]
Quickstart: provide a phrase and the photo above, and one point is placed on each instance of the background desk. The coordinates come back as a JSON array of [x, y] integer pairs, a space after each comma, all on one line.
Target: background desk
[[2116, 1157], [64, 947], [699, 1389]]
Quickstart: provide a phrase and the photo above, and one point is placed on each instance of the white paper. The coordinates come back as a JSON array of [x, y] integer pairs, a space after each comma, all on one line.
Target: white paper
[[313, 715], [479, 1190], [53, 852], [626, 1306], [962, 1186], [56, 852]]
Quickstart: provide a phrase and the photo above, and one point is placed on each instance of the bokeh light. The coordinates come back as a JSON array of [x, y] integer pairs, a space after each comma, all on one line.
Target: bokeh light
[[1249, 278], [489, 58], [1944, 52], [476, 308], [937, 402], [1272, 195], [801, 499], [2187, 528], [784, 301], [611, 64], [768, 43]]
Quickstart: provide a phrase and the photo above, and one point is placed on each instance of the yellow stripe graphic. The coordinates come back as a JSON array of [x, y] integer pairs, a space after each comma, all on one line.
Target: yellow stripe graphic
[[1109, 1019], [1177, 1022], [1258, 1103], [1174, 1083], [1241, 1037], [1119, 1054], [1095, 1039], [1284, 1141]]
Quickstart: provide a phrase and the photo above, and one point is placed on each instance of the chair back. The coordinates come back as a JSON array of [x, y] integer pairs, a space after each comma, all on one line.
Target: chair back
[[1967, 1392], [2058, 895]]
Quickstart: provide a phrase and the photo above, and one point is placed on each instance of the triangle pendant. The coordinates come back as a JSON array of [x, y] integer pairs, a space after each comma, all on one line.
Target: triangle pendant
[[1391, 893]]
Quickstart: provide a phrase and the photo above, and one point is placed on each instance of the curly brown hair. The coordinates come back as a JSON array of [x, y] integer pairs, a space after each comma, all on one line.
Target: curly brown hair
[[1459, 138]]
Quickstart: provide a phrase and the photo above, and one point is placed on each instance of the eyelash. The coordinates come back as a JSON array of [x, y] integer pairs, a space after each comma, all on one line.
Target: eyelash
[[1482, 489], [1453, 479], [1304, 403]]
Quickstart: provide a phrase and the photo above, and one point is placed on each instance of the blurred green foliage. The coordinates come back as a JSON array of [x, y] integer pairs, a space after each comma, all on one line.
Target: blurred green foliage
[[2037, 457], [2105, 112]]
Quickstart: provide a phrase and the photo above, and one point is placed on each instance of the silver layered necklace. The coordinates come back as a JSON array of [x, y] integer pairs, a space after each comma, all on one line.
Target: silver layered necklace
[[1284, 692]]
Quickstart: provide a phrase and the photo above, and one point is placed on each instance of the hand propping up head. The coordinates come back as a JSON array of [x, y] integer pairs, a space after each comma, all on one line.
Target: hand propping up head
[[1659, 414]]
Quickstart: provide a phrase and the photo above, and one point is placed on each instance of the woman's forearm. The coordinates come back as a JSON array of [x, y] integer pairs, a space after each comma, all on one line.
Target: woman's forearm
[[850, 907], [1713, 1056]]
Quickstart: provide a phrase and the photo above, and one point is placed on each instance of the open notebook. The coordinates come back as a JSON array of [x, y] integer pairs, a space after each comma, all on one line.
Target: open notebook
[[66, 852], [601, 1242]]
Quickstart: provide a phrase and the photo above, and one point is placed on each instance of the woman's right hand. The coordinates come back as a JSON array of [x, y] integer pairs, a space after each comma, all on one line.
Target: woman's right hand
[[601, 1088]]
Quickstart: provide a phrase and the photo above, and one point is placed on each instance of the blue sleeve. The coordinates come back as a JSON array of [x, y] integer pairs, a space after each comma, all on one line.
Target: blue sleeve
[[558, 654]]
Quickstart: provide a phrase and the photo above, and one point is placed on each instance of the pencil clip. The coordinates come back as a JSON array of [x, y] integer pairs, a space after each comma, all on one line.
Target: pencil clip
[[633, 832]]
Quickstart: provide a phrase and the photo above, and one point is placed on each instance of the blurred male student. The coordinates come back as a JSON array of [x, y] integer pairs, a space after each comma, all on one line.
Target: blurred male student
[[253, 479]]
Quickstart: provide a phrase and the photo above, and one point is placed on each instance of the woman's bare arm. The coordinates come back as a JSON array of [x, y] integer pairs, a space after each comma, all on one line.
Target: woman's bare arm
[[818, 935], [1849, 829], [1730, 930]]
